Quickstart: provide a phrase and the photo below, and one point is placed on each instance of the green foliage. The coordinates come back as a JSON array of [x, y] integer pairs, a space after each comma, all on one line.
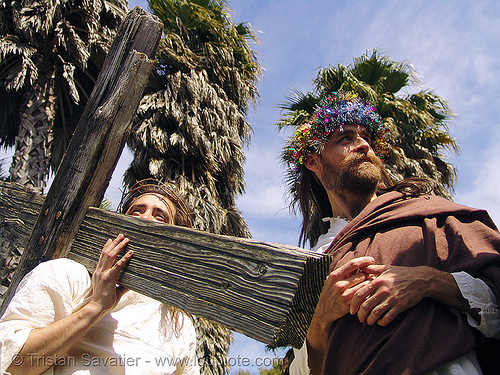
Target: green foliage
[[418, 119], [275, 370], [3, 173], [65, 42], [106, 205], [190, 127], [50, 55], [201, 35]]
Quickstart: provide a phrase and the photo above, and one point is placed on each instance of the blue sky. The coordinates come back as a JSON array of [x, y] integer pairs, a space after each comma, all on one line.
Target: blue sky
[[452, 44]]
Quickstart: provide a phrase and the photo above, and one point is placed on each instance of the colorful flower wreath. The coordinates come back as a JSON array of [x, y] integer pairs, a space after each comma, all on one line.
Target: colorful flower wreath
[[332, 113]]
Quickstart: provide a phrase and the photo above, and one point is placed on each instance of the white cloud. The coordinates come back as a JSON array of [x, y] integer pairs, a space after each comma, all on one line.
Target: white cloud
[[264, 193], [115, 187]]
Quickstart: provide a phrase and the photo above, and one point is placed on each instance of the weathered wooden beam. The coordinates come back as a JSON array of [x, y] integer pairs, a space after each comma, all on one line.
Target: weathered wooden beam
[[19, 208], [96, 145], [265, 291]]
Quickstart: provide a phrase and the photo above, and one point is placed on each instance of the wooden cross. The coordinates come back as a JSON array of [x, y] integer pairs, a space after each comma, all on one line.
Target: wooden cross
[[265, 291]]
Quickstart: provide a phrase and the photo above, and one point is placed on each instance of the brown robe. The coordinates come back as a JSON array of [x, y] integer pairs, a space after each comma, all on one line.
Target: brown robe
[[411, 231]]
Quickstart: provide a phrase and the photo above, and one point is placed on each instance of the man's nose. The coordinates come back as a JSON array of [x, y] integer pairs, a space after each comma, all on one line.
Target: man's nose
[[361, 145], [147, 215]]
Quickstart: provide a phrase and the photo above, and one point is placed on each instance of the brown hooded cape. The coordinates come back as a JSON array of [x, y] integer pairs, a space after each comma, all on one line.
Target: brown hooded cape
[[397, 229]]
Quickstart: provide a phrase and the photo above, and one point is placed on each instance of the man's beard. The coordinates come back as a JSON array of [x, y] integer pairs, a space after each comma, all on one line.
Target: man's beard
[[359, 174]]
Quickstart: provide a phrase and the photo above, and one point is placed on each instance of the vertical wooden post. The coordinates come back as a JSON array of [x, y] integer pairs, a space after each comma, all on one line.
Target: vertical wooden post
[[96, 145]]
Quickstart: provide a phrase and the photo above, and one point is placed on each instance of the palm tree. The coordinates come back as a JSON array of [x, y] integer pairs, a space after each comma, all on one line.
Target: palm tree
[[418, 121], [190, 127], [50, 55]]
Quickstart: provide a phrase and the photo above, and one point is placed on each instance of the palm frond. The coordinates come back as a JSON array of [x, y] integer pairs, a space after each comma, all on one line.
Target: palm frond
[[50, 55], [190, 127], [418, 121]]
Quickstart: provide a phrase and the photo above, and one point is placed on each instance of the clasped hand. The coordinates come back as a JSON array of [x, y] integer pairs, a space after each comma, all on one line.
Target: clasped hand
[[377, 294]]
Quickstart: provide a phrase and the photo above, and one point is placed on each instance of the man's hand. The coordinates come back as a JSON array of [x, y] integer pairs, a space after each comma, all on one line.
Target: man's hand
[[57, 338], [334, 302], [339, 288], [105, 293], [394, 289]]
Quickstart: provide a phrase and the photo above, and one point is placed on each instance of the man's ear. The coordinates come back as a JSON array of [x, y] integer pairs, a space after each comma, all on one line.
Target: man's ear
[[313, 162]]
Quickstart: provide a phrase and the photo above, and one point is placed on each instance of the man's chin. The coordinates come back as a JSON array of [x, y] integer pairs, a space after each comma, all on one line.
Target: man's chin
[[363, 179], [363, 188], [366, 169], [359, 176]]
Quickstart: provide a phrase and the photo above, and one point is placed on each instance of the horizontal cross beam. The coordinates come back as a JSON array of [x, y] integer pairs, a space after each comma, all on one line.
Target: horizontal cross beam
[[265, 291]]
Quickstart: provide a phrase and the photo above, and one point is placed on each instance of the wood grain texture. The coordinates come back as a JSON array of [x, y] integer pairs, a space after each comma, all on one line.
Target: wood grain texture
[[265, 291], [262, 290], [96, 145], [19, 208]]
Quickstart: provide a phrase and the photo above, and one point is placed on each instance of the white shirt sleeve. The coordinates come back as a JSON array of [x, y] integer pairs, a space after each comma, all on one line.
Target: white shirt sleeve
[[480, 297], [43, 296], [299, 364]]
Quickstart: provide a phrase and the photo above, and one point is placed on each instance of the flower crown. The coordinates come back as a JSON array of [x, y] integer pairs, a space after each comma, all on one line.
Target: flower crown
[[332, 113]]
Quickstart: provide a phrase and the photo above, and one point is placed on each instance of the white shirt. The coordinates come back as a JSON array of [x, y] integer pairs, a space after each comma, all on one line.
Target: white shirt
[[473, 290], [136, 337]]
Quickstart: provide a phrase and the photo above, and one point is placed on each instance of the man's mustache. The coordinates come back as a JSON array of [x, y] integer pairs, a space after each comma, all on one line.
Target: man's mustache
[[359, 158]]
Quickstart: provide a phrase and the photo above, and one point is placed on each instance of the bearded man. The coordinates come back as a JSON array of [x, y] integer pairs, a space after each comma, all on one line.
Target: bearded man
[[415, 279]]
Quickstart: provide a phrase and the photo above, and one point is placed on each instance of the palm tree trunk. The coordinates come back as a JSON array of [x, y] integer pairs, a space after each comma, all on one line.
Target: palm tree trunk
[[30, 164]]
